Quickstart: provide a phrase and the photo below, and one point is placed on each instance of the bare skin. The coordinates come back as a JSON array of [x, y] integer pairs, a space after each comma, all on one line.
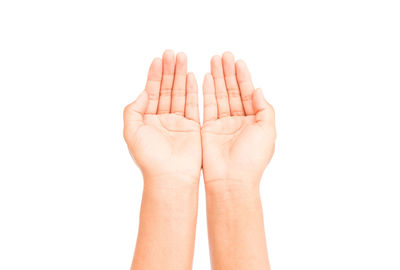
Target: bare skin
[[162, 131], [238, 138], [235, 144]]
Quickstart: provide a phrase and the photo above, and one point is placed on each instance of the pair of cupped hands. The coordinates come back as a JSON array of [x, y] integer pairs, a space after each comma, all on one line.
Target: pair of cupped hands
[[163, 131]]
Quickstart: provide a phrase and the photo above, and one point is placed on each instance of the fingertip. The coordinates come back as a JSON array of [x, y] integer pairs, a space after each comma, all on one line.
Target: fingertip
[[181, 57], [155, 70], [139, 104], [217, 67], [143, 97], [228, 63], [181, 64], [240, 67], [242, 72], [168, 52], [191, 80], [240, 64], [265, 101], [215, 60], [143, 94], [258, 92], [263, 110], [156, 61], [191, 76], [207, 77], [228, 56], [156, 66], [168, 60], [259, 101]]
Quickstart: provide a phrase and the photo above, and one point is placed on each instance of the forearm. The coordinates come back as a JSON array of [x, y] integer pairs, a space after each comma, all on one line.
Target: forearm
[[235, 225], [167, 224]]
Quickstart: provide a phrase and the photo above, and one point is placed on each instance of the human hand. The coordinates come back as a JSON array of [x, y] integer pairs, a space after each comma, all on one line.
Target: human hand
[[162, 131], [238, 134], [161, 127]]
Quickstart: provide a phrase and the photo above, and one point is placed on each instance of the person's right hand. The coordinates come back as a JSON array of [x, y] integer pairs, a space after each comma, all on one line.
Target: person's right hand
[[161, 127], [238, 133]]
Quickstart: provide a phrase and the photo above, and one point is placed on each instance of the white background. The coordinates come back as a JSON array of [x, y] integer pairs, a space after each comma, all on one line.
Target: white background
[[69, 191]]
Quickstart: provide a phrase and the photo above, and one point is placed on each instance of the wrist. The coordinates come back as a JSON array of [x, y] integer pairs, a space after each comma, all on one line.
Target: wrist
[[233, 183], [231, 199], [231, 191], [171, 184], [172, 197]]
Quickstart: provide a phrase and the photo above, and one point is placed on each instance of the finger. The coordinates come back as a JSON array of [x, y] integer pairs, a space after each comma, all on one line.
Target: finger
[[210, 102], [235, 102], [168, 66], [192, 104], [220, 88], [246, 86], [153, 85], [133, 113], [263, 110], [179, 87]]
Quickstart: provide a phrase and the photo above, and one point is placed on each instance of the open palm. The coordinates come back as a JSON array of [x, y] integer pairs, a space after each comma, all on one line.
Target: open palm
[[161, 127], [238, 133]]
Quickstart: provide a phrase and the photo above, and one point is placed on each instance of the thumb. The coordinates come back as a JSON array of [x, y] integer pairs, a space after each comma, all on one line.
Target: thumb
[[134, 112], [263, 110]]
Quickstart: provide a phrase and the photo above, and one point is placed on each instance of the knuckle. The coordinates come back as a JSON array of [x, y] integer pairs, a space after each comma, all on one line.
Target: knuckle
[[210, 104], [234, 92], [179, 113], [178, 92], [222, 95], [192, 103], [237, 113], [162, 111], [153, 95], [224, 114], [165, 92], [247, 97]]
